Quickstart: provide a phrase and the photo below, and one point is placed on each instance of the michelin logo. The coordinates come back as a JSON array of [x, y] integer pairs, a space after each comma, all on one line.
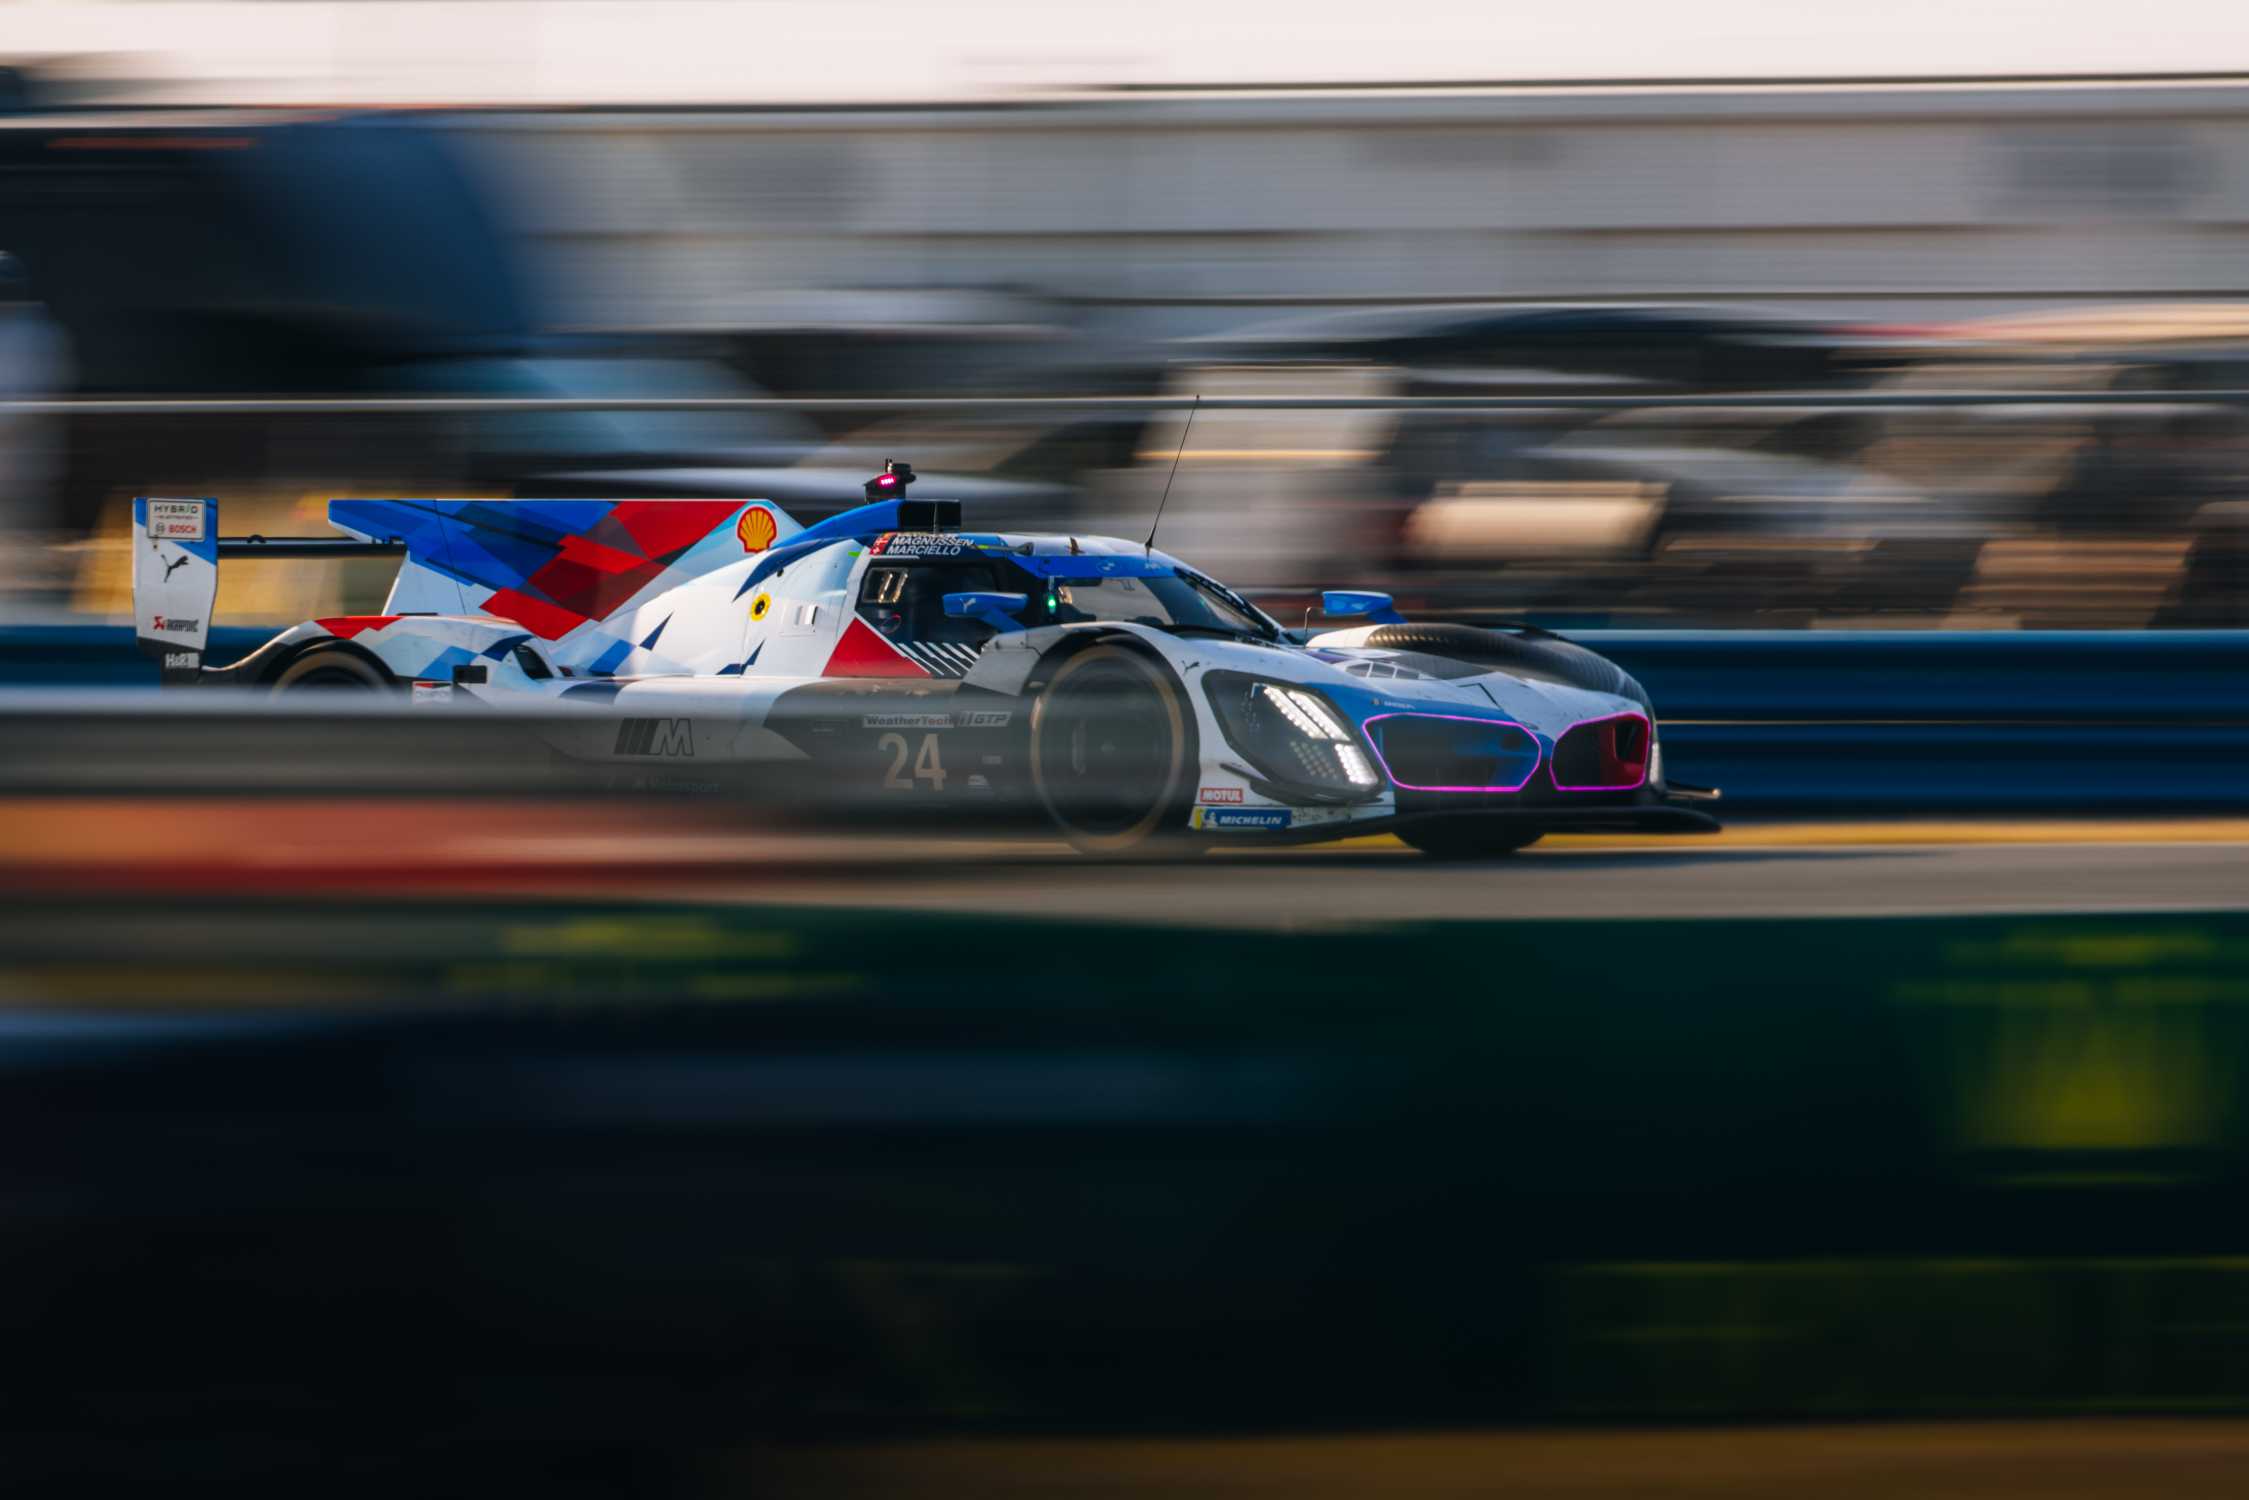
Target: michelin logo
[[1266, 819]]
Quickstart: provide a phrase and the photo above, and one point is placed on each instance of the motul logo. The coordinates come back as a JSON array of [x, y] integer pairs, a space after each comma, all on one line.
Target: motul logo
[[672, 737]]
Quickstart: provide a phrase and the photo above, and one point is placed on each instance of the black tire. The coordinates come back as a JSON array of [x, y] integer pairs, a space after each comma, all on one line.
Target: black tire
[[1547, 657], [331, 669], [1468, 838], [1113, 754]]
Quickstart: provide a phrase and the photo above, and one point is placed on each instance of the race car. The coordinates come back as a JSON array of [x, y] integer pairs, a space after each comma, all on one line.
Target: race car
[[1116, 691]]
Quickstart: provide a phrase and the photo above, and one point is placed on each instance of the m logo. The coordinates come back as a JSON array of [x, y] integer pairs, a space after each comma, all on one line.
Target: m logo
[[672, 737]]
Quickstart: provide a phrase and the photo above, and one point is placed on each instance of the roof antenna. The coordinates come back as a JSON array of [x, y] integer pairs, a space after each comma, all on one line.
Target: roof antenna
[[1188, 427]]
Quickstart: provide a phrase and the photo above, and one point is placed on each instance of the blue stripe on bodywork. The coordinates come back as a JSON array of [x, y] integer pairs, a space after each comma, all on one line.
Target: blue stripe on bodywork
[[440, 668], [1064, 566], [597, 692], [780, 557]]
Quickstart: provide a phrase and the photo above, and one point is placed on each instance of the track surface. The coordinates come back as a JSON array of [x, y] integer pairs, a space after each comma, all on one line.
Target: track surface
[[657, 852], [1677, 880]]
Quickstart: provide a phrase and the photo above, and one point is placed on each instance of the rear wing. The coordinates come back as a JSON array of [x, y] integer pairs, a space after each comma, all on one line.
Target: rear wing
[[176, 551]]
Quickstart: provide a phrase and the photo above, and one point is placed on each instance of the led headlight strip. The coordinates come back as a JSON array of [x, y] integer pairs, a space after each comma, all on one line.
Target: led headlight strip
[[1292, 735]]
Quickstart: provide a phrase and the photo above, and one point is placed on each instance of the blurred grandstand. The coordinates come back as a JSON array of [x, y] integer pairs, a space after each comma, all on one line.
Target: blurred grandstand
[[181, 255]]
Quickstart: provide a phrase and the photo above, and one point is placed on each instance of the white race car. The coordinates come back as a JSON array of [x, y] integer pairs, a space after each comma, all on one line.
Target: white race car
[[1114, 689]]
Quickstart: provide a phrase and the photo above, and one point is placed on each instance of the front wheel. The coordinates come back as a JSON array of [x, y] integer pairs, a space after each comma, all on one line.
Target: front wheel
[[1113, 753], [1468, 838]]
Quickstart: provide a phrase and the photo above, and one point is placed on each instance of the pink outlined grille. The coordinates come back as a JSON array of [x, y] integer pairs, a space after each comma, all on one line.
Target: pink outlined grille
[[1374, 741], [1647, 754]]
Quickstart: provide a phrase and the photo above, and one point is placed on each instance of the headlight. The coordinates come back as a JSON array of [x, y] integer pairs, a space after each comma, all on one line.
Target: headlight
[[1292, 735]]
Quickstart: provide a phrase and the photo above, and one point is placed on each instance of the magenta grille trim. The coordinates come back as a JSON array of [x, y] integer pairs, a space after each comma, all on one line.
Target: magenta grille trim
[[1647, 726], [1374, 742]]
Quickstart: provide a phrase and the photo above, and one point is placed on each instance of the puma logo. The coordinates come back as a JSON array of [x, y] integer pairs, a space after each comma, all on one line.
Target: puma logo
[[173, 567]]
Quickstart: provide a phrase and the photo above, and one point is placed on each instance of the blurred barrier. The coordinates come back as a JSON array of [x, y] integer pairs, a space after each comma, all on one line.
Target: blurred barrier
[[110, 740], [1781, 721], [82, 656], [1005, 405]]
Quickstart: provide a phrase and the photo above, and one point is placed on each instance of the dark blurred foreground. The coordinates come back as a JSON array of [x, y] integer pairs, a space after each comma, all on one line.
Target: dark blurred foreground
[[712, 1200]]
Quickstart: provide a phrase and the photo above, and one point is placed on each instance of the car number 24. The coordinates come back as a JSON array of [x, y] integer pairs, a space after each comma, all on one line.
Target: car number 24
[[927, 764]]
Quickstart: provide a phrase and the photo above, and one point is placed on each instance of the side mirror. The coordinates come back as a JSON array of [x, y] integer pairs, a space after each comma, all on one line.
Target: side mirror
[[996, 610], [1376, 607]]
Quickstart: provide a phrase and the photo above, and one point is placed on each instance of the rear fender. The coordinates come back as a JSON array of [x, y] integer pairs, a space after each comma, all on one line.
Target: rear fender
[[409, 648]]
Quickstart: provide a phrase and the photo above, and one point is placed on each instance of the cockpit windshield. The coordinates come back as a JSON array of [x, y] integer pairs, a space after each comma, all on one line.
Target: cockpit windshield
[[1184, 602]]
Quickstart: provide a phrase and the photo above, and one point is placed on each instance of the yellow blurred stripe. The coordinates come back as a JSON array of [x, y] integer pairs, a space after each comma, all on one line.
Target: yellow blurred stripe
[[1800, 835], [2085, 1459], [1947, 831]]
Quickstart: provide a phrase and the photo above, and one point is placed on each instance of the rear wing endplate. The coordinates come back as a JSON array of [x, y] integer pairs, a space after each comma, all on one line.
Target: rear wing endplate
[[176, 552]]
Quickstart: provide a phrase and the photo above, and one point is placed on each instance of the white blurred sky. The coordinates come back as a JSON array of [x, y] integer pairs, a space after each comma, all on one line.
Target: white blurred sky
[[753, 51]]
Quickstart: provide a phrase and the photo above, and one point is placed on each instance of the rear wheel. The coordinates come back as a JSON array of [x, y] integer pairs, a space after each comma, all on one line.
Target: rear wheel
[[328, 669], [1468, 838], [1113, 750]]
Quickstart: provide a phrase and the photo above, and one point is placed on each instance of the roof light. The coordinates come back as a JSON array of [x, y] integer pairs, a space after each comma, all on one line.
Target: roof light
[[895, 476]]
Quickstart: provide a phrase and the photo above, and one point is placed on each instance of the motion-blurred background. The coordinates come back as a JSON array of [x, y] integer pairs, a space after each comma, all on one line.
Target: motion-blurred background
[[379, 1112], [863, 200]]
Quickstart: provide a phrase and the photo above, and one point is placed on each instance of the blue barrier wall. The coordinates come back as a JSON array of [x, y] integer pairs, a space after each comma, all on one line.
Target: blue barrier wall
[[101, 655], [1790, 721], [2074, 676], [1898, 721]]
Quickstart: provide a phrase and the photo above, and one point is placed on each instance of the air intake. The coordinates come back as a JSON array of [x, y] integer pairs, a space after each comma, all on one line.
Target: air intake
[[1602, 755], [1449, 753]]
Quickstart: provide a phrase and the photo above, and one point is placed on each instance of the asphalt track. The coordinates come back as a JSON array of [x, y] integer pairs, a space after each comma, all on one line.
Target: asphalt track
[[410, 849], [1566, 882]]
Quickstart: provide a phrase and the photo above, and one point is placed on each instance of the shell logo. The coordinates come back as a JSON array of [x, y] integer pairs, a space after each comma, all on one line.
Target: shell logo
[[760, 605], [757, 529]]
